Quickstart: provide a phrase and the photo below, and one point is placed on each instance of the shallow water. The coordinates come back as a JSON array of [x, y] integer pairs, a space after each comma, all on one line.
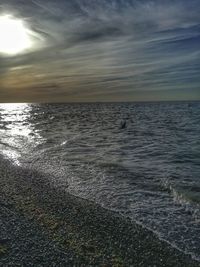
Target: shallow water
[[148, 171]]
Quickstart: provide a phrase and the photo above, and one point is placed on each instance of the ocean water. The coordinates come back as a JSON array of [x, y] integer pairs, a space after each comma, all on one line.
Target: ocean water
[[148, 171]]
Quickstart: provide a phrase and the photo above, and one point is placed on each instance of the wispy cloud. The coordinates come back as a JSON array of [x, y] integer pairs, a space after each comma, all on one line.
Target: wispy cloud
[[108, 49]]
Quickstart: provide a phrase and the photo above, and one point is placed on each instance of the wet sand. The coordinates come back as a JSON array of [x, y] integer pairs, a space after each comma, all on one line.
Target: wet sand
[[44, 226]]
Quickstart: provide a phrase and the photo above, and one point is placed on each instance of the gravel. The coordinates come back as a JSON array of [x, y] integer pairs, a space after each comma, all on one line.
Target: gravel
[[44, 226]]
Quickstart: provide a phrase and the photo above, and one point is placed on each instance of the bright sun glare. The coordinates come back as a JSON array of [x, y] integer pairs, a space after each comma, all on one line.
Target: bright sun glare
[[14, 37]]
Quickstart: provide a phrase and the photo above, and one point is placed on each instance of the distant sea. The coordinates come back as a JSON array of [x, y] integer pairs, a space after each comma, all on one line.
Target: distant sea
[[148, 170]]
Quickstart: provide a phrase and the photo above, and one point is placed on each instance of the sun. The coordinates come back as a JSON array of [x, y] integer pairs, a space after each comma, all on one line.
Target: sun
[[14, 36]]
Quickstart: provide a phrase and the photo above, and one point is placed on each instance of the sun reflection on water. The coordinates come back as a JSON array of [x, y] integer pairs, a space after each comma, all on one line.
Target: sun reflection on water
[[17, 131]]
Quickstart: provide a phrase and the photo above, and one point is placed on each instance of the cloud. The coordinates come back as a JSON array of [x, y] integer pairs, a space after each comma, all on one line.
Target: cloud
[[108, 47]]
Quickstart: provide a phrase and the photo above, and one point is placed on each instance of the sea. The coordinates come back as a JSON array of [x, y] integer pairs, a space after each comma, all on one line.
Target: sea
[[141, 160]]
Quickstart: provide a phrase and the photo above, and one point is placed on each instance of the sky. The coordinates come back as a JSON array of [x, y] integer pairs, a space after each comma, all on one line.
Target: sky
[[103, 50]]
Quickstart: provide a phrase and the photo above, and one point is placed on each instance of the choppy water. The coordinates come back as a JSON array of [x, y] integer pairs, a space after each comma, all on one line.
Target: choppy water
[[149, 171]]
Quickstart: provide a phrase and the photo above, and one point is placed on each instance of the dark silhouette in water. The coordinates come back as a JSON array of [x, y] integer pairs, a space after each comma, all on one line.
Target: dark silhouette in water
[[123, 124]]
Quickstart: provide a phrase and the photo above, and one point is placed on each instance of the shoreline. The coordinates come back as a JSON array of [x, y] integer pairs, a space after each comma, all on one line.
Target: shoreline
[[45, 225]]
